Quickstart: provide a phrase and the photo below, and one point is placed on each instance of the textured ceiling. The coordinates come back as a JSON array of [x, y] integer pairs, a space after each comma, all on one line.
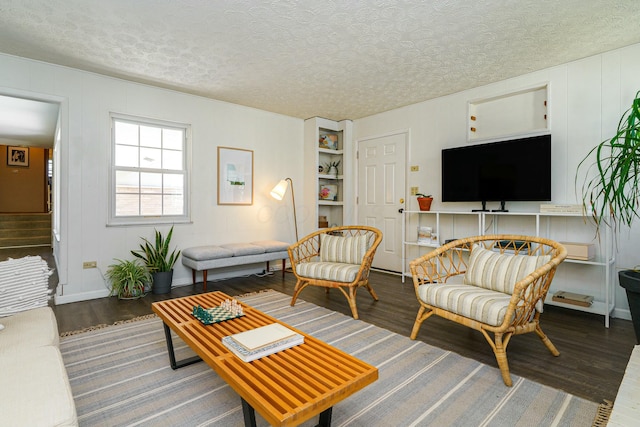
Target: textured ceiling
[[334, 59]]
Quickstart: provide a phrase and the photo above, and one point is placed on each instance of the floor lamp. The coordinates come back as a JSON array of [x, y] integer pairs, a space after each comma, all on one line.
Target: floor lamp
[[278, 194]]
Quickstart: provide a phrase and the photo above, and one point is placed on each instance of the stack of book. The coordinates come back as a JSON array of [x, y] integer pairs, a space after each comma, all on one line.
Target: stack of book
[[571, 298], [553, 208], [424, 235], [263, 341]]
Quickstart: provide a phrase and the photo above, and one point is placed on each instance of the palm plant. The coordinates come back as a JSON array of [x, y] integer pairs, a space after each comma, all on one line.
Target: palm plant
[[128, 279], [613, 193], [156, 256]]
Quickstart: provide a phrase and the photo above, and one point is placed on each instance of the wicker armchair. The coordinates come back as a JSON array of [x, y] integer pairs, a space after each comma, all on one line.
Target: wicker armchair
[[336, 257], [479, 283]]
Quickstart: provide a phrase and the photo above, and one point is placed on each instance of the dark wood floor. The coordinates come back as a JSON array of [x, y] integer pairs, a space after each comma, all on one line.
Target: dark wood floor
[[591, 363]]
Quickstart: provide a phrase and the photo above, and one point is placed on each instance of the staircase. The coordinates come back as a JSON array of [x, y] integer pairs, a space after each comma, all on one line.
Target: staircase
[[22, 230]]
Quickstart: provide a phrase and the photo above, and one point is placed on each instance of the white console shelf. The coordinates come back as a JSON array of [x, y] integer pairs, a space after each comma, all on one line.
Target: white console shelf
[[591, 277]]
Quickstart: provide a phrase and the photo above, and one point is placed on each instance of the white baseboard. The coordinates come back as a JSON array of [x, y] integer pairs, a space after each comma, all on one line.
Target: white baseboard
[[65, 299], [620, 313]]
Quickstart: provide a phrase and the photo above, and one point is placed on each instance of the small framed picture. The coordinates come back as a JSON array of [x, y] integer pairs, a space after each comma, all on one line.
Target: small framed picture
[[328, 192], [329, 141], [18, 156], [235, 176]]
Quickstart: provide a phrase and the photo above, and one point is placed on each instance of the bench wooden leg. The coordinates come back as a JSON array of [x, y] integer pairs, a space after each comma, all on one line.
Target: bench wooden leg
[[204, 280], [193, 275], [284, 263]]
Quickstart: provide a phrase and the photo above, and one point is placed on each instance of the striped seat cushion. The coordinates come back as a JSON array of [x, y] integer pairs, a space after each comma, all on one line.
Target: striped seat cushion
[[333, 271], [500, 272], [476, 303], [348, 250]]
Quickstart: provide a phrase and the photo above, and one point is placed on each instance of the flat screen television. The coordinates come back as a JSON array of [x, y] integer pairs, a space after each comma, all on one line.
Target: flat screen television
[[506, 171]]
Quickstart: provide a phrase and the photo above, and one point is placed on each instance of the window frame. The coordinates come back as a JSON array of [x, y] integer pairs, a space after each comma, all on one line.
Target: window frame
[[185, 217]]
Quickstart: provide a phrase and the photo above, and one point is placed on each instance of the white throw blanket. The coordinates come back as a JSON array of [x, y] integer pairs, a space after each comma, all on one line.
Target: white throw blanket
[[24, 284]]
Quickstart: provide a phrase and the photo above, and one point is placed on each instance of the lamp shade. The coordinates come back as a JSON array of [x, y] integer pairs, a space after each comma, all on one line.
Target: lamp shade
[[279, 190]]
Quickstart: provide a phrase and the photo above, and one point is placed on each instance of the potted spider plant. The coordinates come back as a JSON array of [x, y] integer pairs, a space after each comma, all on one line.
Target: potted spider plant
[[158, 260], [128, 279], [612, 194], [332, 168], [424, 201]]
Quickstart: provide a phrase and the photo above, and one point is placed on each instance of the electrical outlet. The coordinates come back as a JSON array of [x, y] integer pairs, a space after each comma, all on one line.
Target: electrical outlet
[[415, 168], [414, 191], [90, 264]]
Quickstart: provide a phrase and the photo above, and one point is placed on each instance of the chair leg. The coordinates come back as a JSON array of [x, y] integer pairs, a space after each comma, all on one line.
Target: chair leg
[[546, 341], [421, 317], [371, 291], [500, 351], [352, 301], [351, 298], [300, 285]]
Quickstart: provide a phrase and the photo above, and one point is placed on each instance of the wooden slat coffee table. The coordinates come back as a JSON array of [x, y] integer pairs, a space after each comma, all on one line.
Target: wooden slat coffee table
[[286, 388]]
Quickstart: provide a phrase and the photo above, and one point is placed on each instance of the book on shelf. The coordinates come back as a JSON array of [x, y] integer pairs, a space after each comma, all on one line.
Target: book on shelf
[[572, 298], [424, 235], [555, 208], [263, 341]]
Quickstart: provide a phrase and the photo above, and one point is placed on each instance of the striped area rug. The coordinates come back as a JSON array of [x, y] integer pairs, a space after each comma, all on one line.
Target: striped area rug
[[120, 376]]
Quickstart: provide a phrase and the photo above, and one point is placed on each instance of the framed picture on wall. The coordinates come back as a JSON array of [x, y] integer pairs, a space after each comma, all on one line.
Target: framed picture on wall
[[235, 176], [18, 156]]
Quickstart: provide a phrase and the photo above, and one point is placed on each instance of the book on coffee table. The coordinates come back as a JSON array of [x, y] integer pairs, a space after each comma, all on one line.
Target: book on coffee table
[[263, 341]]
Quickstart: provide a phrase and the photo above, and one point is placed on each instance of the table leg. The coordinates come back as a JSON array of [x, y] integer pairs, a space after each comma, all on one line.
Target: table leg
[[250, 416], [172, 354], [325, 418]]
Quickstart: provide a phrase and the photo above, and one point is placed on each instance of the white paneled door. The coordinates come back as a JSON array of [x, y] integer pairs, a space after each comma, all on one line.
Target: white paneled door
[[381, 187]]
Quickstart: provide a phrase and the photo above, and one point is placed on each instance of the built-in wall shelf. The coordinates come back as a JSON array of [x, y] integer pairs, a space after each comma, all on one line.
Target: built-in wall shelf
[[589, 277], [511, 114], [327, 142]]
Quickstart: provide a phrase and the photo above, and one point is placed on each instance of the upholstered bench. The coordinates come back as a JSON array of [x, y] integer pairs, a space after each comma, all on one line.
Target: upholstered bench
[[203, 258], [34, 387], [494, 284]]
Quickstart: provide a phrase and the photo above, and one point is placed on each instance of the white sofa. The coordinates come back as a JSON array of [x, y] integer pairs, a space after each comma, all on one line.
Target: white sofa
[[34, 387]]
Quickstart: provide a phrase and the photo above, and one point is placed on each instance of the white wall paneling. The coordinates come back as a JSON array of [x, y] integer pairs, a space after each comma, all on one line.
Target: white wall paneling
[[585, 100], [84, 167]]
